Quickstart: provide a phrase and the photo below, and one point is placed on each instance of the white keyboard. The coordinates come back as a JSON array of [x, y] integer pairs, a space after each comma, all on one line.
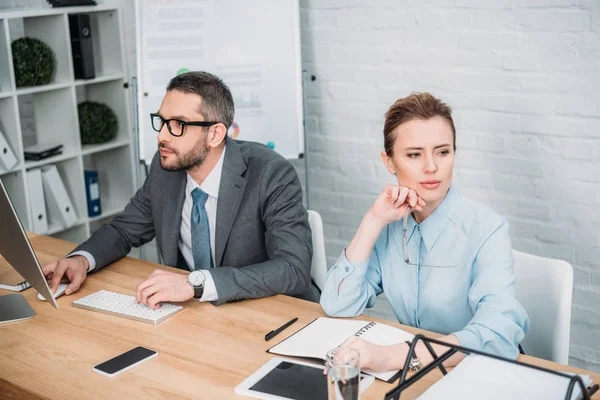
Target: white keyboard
[[125, 306]]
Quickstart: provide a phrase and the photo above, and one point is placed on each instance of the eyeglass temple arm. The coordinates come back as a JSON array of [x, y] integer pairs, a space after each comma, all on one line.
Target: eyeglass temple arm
[[404, 229]]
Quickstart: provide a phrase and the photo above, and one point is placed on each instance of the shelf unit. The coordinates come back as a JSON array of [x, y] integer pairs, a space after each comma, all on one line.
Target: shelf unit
[[48, 113]]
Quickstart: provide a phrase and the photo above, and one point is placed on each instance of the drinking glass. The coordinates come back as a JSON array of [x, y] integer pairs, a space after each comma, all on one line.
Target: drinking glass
[[343, 373]]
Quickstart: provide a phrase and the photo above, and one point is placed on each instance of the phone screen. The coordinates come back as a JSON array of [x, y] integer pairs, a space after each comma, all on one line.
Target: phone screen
[[125, 361]]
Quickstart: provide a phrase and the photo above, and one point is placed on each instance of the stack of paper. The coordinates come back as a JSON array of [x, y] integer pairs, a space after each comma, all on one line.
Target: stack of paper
[[480, 377]]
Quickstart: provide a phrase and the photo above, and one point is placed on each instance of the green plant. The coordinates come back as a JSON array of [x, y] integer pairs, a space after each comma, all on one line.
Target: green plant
[[97, 122], [33, 61]]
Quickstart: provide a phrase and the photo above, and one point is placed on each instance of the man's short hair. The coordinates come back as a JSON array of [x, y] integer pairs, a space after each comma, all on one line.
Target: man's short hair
[[217, 101]]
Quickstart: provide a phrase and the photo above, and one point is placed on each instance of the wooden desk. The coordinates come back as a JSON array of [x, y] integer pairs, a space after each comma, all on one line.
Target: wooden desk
[[204, 351]]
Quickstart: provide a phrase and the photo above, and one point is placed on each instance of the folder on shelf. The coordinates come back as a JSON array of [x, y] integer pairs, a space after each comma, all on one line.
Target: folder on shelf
[[7, 157], [92, 191], [37, 201], [60, 208]]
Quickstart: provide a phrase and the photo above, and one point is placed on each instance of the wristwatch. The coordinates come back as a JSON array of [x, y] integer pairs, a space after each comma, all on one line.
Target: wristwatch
[[415, 364], [197, 279]]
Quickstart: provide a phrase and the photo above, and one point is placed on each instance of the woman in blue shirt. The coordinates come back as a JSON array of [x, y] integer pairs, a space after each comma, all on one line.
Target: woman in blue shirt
[[445, 262]]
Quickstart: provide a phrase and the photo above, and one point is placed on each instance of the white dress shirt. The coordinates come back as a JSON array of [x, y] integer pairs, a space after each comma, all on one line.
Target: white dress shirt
[[211, 187]]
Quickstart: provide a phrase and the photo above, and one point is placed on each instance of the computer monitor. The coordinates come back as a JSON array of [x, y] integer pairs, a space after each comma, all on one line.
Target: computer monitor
[[16, 249]]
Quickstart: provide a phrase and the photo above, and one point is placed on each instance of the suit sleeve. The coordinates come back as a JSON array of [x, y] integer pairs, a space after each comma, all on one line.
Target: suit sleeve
[[288, 241], [131, 228]]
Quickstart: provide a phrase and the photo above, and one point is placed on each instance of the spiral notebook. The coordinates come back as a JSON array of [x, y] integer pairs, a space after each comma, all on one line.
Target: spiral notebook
[[11, 279], [323, 334]]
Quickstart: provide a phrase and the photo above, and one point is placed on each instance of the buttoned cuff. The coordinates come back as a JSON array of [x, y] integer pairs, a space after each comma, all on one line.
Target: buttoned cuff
[[345, 268], [468, 339], [89, 257]]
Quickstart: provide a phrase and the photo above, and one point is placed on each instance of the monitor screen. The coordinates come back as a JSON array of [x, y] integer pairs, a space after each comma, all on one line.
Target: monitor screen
[[16, 249]]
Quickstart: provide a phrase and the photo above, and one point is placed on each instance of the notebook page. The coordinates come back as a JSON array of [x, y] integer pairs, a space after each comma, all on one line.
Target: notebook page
[[324, 334], [479, 377], [385, 335], [318, 337]]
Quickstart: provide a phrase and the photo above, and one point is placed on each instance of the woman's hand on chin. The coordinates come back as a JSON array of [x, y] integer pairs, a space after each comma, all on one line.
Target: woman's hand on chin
[[392, 202]]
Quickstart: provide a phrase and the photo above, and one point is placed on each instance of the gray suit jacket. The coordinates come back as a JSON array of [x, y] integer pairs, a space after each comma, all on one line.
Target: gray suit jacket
[[263, 240]]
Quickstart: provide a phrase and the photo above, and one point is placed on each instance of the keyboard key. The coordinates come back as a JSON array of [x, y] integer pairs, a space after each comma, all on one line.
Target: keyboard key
[[122, 305]]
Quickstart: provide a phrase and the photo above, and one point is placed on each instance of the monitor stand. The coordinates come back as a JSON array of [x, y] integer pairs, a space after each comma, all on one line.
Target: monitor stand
[[13, 308]]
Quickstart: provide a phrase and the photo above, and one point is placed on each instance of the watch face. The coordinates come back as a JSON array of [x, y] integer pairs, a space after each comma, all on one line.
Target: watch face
[[196, 278]]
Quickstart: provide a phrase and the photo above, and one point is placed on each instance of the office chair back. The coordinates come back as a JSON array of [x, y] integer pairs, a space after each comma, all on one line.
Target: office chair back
[[318, 270], [544, 287]]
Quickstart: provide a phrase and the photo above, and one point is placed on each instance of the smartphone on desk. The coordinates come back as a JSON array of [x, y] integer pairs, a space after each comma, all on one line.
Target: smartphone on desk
[[125, 361]]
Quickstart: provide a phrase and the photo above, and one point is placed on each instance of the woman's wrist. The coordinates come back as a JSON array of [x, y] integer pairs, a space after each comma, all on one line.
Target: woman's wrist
[[364, 239], [388, 358], [374, 222]]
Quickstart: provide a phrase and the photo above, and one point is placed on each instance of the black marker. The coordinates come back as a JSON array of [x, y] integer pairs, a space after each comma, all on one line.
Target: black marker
[[272, 334]]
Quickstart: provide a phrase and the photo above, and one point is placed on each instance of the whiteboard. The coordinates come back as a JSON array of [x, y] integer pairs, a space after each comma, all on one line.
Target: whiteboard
[[254, 46]]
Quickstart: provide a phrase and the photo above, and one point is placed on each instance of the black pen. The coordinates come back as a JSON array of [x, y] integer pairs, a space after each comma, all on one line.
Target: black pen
[[272, 334]]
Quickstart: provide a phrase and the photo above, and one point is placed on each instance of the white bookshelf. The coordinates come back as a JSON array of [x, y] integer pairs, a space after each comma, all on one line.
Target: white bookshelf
[[49, 113]]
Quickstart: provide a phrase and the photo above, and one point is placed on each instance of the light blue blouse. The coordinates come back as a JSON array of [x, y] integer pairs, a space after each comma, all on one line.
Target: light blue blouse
[[463, 283]]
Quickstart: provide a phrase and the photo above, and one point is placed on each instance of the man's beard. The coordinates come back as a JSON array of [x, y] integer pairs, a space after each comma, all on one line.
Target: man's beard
[[193, 159]]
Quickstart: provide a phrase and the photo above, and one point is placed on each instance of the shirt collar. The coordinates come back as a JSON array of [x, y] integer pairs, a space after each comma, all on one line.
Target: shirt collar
[[433, 226], [212, 183]]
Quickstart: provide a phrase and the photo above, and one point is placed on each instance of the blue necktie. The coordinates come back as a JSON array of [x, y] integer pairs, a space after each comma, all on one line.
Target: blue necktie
[[200, 231]]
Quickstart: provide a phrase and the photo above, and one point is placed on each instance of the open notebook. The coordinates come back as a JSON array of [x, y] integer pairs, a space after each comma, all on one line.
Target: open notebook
[[323, 334]]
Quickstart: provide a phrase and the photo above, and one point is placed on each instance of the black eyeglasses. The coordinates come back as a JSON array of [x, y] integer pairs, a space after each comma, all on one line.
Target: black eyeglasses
[[175, 126]]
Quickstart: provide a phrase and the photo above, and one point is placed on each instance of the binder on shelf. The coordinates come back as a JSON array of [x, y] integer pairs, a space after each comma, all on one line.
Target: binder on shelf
[[92, 191], [60, 208], [478, 362], [7, 156], [37, 201]]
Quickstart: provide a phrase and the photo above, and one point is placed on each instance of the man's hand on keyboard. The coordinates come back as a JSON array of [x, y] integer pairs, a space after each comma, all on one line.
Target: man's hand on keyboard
[[75, 268], [163, 286]]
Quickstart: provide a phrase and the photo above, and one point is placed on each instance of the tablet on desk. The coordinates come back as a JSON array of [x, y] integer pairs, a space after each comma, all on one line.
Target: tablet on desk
[[285, 379]]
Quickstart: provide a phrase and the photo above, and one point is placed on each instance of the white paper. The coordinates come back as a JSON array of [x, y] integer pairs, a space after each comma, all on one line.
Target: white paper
[[479, 377], [94, 191]]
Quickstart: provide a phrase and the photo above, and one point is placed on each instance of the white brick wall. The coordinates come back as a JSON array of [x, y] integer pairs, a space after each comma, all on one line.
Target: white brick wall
[[523, 77]]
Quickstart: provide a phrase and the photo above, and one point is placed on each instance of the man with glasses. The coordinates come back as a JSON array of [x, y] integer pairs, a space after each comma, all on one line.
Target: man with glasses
[[229, 212]]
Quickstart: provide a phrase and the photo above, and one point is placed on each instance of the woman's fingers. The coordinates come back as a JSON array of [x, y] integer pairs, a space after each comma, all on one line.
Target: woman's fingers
[[412, 198], [402, 196]]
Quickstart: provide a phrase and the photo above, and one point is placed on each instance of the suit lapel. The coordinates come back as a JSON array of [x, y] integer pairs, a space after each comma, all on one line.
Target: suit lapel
[[231, 191], [174, 190]]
